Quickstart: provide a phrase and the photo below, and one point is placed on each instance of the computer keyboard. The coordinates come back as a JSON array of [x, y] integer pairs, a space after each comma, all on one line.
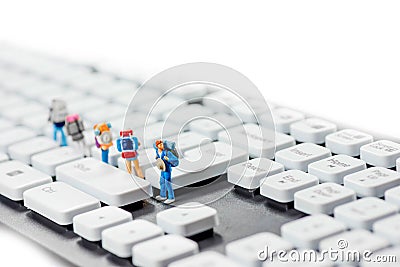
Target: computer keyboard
[[318, 182]]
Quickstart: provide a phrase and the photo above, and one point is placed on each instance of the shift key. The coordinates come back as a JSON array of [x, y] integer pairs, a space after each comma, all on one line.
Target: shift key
[[110, 185]]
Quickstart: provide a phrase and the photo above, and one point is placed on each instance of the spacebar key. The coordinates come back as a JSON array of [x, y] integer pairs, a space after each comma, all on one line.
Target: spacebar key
[[110, 185]]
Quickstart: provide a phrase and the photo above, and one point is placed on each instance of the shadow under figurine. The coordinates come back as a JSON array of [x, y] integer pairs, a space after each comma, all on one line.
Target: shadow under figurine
[[167, 157]]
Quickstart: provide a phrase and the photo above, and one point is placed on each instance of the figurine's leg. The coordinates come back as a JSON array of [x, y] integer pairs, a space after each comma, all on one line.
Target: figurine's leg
[[55, 129], [128, 164], [168, 185], [104, 156], [138, 170], [63, 137], [163, 189]]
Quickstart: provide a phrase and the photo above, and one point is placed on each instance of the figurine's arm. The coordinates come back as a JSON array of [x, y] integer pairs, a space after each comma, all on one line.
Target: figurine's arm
[[97, 143]]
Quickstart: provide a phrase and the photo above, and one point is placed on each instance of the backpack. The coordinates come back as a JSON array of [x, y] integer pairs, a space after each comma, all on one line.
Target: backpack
[[171, 153]]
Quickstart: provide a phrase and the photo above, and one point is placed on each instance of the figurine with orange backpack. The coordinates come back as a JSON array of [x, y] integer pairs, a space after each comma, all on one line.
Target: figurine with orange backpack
[[103, 138]]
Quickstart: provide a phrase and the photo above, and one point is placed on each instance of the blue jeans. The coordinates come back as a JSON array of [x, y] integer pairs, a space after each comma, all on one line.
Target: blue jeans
[[165, 185], [57, 129], [104, 155]]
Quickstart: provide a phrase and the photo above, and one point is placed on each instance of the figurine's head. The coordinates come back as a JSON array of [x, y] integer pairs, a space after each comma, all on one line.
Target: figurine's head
[[101, 127], [126, 133], [160, 144], [72, 118]]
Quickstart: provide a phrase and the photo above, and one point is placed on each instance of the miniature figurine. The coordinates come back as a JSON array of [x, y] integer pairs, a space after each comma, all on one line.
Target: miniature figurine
[[167, 157], [128, 145], [75, 129], [57, 113], [103, 138]]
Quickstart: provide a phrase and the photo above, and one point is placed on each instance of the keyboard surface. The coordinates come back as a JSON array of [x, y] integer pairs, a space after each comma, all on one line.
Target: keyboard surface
[[317, 176]]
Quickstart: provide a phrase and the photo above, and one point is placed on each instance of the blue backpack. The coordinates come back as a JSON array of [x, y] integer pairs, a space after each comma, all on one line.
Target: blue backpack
[[171, 153]]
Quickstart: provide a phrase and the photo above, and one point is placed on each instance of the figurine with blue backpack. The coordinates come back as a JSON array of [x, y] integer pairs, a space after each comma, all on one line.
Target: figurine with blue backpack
[[128, 145], [167, 158]]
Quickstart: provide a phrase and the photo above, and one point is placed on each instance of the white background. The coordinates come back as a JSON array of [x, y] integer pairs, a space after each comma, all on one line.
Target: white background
[[336, 59]]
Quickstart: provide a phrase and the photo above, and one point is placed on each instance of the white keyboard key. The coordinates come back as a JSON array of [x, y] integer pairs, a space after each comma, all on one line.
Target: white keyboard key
[[59, 202], [221, 101], [250, 173], [16, 177], [398, 164], [94, 177], [282, 187], [188, 140], [188, 219], [364, 212], [89, 225], [104, 114], [372, 182], [14, 135], [190, 92], [389, 258], [23, 151], [312, 130], [322, 198], [159, 130], [300, 156], [200, 164], [393, 196], [259, 141], [381, 153], [205, 259], [113, 155], [87, 105], [245, 251], [389, 228], [334, 169], [347, 142], [165, 105], [39, 123], [5, 124], [307, 232], [168, 248], [183, 114], [283, 118], [17, 113], [251, 111], [3, 157], [216, 123], [120, 239], [359, 240], [48, 161]]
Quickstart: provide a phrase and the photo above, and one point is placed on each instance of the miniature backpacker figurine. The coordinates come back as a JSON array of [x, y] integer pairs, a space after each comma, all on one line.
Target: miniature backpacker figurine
[[128, 145], [75, 129], [57, 113], [167, 157], [103, 138]]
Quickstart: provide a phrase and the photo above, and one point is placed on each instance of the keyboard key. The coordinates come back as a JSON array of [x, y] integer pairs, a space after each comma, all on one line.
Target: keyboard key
[[168, 248], [5, 124], [17, 113], [14, 135], [334, 169], [89, 225], [393, 196], [120, 239], [205, 259], [108, 184], [259, 141], [165, 105], [372, 182], [221, 101], [311, 130], [200, 164], [155, 131], [187, 140], [104, 114], [300, 156], [87, 105], [214, 124], [191, 92], [283, 118], [389, 258], [245, 251], [113, 155], [359, 240], [188, 219], [23, 151], [3, 157], [250, 173], [307, 232], [322, 198], [364, 212], [48, 161], [282, 187], [389, 228], [347, 142], [59, 202], [381, 153], [16, 177], [251, 111], [146, 159], [183, 114]]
